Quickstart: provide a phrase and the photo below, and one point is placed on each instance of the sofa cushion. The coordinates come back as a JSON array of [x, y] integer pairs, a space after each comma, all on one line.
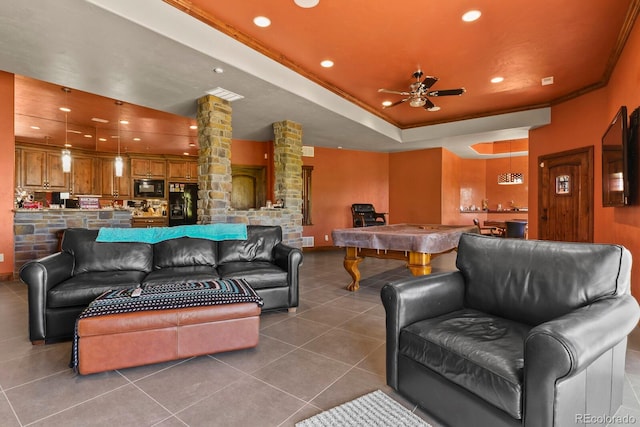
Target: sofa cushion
[[482, 353], [192, 273], [83, 288], [533, 281], [259, 274], [183, 252], [98, 256], [261, 239]]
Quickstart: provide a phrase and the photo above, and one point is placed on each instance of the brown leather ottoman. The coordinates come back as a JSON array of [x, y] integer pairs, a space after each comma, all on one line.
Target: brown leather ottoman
[[127, 339]]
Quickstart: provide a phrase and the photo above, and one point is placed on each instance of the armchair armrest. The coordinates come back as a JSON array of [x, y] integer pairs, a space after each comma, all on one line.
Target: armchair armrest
[[417, 298], [289, 259], [567, 345], [40, 276]]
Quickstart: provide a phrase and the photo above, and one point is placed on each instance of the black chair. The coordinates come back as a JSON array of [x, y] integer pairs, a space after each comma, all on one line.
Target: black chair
[[516, 229], [525, 333], [365, 215]]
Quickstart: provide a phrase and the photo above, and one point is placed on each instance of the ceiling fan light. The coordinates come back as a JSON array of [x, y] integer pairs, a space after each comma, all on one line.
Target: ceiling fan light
[[510, 178], [417, 102], [434, 108]]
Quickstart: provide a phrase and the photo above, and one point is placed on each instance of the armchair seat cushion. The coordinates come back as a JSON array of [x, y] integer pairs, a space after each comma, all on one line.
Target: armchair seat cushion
[[184, 274], [481, 353], [259, 274], [83, 288]]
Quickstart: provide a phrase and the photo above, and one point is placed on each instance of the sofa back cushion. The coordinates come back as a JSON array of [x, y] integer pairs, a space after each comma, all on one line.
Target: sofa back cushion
[[92, 256], [261, 239], [534, 281], [184, 252]]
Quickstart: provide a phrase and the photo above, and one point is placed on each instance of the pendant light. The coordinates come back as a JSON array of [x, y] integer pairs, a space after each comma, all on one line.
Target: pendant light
[[66, 153], [510, 178], [118, 163]]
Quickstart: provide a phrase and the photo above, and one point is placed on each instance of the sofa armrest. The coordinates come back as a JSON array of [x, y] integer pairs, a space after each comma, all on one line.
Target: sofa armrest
[[40, 276], [565, 346], [289, 259], [410, 300]]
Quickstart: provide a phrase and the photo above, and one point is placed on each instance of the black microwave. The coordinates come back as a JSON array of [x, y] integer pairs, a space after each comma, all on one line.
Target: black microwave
[[148, 188]]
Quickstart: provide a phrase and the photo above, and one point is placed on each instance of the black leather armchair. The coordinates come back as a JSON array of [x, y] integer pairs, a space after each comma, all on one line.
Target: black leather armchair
[[526, 333], [365, 215]]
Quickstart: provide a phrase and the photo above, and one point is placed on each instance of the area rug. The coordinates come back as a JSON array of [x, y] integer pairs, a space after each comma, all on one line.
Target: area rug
[[375, 409]]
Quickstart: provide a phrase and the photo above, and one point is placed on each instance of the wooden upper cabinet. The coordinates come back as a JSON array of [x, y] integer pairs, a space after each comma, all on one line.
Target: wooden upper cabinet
[[148, 168], [42, 170], [111, 185], [182, 170], [83, 175]]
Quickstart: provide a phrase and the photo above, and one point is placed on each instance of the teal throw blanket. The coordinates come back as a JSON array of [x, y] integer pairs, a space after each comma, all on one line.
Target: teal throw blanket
[[219, 231]]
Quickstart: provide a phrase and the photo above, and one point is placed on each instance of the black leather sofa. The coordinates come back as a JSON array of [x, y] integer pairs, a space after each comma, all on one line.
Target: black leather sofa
[[63, 284], [526, 333]]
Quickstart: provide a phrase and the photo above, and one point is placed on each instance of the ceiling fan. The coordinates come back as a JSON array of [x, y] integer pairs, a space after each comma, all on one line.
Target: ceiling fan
[[420, 93]]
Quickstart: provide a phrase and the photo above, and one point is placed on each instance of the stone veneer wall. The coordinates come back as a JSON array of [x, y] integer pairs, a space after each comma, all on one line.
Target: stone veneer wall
[[36, 230], [214, 205]]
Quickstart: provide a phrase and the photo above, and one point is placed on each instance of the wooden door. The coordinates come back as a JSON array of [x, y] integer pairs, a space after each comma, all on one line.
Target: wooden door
[[565, 197]]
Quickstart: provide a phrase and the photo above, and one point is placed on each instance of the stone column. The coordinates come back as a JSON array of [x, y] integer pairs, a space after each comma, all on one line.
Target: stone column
[[214, 159], [287, 143]]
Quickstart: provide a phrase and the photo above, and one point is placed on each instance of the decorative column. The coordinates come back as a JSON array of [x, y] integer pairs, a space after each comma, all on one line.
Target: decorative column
[[214, 159], [287, 161]]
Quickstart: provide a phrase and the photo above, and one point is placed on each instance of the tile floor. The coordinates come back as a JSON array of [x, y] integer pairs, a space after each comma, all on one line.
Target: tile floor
[[329, 352]]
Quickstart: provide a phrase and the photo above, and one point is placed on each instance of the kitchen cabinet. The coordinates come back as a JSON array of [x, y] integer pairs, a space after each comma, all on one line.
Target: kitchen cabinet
[[110, 184], [42, 170], [148, 168], [83, 175], [182, 171], [148, 221]]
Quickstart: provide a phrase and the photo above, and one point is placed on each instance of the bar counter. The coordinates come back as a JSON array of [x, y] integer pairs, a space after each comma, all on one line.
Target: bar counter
[[36, 231]]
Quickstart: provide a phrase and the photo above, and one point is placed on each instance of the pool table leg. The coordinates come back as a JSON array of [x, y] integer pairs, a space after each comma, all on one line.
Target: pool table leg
[[351, 261], [419, 263]]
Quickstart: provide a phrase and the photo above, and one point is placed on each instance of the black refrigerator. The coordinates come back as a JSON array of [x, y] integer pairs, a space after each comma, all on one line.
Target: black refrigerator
[[183, 203]]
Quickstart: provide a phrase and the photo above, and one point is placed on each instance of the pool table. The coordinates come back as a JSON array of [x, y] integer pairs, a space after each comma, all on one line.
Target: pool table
[[415, 243]]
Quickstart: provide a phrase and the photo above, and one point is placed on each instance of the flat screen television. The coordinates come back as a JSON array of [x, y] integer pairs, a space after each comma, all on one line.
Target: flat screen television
[[615, 161]]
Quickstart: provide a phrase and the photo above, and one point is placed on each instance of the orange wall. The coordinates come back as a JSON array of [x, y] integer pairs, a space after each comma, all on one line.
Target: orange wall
[[415, 186], [7, 164], [504, 194], [339, 179], [581, 122]]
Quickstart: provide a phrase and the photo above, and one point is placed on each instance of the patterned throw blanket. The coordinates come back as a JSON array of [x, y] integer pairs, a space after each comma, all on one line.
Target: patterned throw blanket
[[166, 297]]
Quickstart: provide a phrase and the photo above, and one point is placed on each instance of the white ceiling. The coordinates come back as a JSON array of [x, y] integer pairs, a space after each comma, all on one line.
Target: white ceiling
[[148, 53]]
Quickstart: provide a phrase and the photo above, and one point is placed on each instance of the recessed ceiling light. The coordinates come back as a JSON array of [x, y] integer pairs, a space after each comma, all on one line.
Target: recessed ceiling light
[[218, 70], [124, 122], [185, 153], [65, 109], [66, 144], [102, 139], [73, 131], [386, 103], [327, 63], [307, 3], [194, 127], [497, 80], [471, 15], [35, 127], [99, 120], [192, 144], [86, 135], [137, 139], [262, 21]]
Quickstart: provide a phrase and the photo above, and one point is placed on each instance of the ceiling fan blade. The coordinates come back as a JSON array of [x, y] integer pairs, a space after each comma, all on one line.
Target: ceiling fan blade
[[447, 92], [429, 81], [396, 103], [394, 92], [428, 104]]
